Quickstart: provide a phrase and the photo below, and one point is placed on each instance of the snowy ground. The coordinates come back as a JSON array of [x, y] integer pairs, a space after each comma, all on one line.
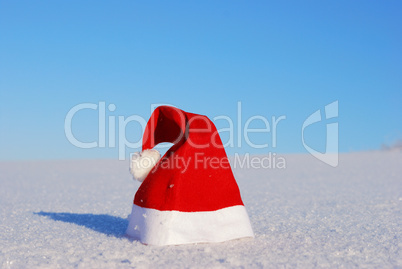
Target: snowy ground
[[56, 214]]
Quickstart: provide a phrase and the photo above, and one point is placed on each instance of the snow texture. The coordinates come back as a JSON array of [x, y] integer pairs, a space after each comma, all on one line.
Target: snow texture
[[73, 214]]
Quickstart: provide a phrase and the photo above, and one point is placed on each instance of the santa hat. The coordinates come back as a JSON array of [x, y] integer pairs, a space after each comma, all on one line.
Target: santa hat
[[190, 194]]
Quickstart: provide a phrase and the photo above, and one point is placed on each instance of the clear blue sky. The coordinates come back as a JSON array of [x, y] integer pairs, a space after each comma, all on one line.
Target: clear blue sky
[[278, 58]]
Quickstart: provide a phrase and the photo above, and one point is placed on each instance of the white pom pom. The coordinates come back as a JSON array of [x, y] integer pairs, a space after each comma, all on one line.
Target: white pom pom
[[142, 163]]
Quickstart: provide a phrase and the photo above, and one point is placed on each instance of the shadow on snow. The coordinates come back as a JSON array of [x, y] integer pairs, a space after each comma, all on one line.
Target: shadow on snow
[[106, 224]]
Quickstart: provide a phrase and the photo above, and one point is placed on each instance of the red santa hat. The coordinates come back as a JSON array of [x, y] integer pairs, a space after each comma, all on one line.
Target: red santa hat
[[190, 194]]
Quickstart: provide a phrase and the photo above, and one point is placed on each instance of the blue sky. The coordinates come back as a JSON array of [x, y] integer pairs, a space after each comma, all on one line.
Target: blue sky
[[283, 58]]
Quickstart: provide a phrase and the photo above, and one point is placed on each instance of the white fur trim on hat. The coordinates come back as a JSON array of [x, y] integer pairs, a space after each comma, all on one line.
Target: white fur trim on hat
[[160, 228], [142, 163]]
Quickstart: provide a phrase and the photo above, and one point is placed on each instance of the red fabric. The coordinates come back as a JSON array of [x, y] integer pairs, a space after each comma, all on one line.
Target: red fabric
[[194, 174]]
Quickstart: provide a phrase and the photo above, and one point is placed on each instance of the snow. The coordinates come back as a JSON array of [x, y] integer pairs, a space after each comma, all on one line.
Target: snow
[[65, 214]]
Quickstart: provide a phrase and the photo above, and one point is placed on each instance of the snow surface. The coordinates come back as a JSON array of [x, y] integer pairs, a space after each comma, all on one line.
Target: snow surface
[[65, 214]]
